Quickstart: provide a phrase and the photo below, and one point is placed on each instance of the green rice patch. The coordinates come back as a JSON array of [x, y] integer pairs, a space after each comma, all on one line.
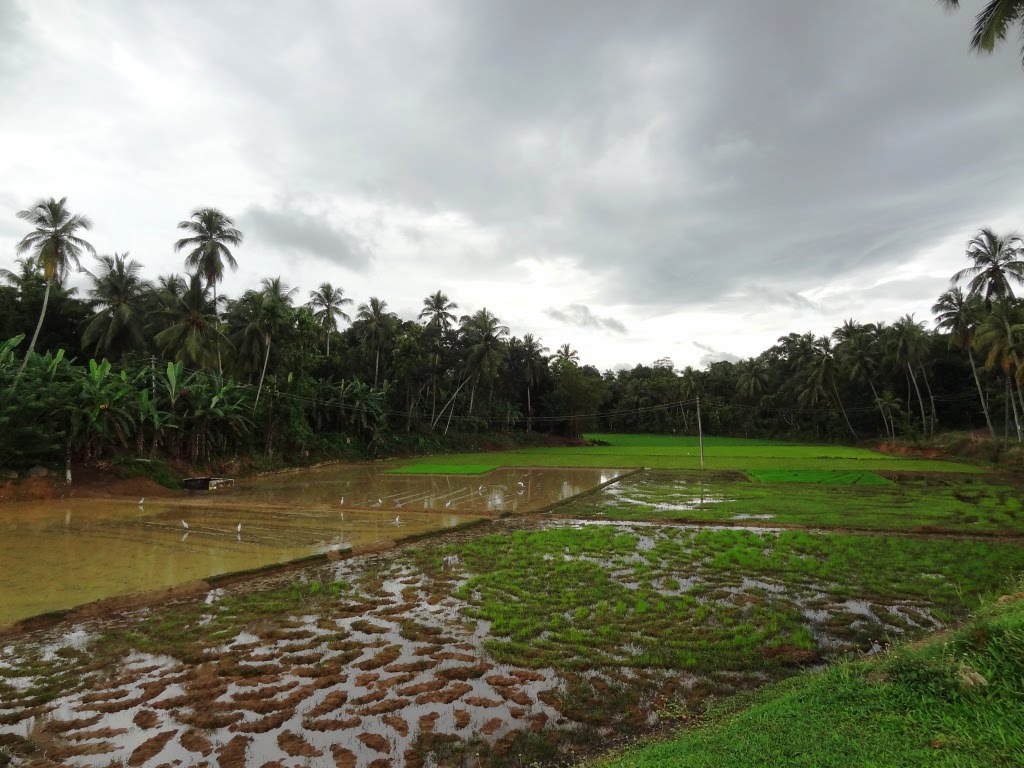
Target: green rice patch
[[817, 477], [424, 468]]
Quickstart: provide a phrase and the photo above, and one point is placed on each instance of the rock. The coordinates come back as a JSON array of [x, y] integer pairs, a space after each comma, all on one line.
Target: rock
[[8, 474], [38, 472]]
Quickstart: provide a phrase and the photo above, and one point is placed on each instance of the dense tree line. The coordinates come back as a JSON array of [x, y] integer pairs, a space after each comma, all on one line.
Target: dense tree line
[[173, 367]]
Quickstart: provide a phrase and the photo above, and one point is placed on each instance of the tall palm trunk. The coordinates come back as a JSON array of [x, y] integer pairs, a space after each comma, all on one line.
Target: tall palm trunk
[[216, 319], [881, 410], [263, 373], [32, 344], [376, 367], [328, 342], [1016, 416], [931, 399], [981, 395], [843, 410], [529, 410], [920, 400]]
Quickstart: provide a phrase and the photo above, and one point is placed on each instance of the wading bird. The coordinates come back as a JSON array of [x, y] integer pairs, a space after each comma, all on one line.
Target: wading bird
[[184, 525]]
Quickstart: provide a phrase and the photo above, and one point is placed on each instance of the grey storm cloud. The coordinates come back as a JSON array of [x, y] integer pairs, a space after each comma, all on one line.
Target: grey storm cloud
[[821, 138], [681, 154], [295, 230], [712, 355], [581, 316]]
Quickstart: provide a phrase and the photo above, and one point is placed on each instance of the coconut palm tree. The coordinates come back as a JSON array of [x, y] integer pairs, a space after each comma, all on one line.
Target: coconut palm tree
[[27, 274], [117, 292], [327, 303], [275, 303], [959, 316], [566, 355], [211, 232], [999, 335], [859, 354], [997, 262], [993, 22], [376, 327], [821, 379], [484, 337], [534, 362], [908, 346], [191, 335], [751, 378], [437, 311], [55, 247]]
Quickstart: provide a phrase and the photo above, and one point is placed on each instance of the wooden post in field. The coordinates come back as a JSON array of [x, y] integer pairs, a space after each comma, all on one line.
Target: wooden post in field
[[700, 434]]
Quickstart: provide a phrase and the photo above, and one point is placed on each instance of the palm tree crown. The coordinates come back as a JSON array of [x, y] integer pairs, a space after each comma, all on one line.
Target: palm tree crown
[[993, 22], [211, 232], [437, 311], [55, 246], [998, 261], [327, 303], [116, 293], [53, 240]]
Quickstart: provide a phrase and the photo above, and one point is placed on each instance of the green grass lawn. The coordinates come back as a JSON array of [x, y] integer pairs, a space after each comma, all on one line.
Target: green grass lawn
[[907, 502], [720, 453], [949, 704], [432, 468]]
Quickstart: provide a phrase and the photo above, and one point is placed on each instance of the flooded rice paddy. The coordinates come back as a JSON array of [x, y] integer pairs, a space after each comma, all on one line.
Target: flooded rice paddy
[[527, 641], [63, 553], [409, 657]]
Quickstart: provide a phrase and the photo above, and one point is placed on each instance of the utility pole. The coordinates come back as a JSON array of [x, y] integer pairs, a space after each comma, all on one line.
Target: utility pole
[[700, 434]]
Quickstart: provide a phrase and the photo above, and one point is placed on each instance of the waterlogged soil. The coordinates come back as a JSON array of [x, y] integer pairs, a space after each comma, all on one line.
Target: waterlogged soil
[[61, 553], [413, 657]]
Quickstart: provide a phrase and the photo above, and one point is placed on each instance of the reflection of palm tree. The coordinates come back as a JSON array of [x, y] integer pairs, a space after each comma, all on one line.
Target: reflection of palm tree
[[327, 303], [191, 335], [55, 246], [534, 362], [993, 22], [117, 292], [211, 234], [958, 315], [375, 329], [997, 262]]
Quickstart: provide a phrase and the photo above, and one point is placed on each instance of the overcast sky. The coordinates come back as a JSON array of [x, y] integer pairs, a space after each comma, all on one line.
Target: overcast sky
[[687, 178]]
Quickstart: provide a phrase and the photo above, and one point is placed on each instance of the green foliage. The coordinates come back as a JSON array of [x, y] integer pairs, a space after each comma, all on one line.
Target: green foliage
[[946, 703]]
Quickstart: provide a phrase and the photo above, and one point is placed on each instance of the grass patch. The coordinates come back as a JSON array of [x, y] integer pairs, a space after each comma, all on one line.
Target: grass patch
[[817, 477], [711, 600], [909, 502], [425, 468], [720, 453], [154, 469], [952, 703]]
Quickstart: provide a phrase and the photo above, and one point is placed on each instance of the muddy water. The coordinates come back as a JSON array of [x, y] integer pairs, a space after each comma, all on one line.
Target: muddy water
[[60, 554]]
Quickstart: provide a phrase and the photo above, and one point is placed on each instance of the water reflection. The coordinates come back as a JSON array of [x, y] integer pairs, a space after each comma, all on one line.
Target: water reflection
[[59, 554]]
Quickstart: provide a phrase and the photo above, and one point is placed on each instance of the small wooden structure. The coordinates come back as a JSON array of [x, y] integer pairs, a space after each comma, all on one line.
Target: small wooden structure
[[207, 483]]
